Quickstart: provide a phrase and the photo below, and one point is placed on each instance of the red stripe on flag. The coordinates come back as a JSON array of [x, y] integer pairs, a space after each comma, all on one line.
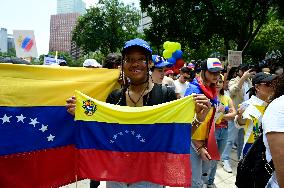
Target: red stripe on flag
[[212, 142], [45, 168], [157, 167]]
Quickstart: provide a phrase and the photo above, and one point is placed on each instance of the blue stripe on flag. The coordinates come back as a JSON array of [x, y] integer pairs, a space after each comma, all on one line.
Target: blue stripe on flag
[[172, 137], [26, 129]]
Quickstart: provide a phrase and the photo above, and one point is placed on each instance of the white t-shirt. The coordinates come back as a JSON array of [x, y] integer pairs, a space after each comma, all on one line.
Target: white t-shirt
[[273, 121], [180, 87]]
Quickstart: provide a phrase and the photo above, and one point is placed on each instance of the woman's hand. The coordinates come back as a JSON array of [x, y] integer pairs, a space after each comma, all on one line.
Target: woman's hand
[[71, 105], [204, 154], [239, 116], [221, 109], [202, 106]]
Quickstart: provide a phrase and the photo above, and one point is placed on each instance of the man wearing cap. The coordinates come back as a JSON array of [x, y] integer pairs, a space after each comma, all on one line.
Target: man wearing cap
[[238, 89], [251, 111]]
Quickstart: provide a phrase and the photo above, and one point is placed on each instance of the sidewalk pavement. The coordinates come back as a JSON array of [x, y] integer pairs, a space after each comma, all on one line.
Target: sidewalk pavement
[[222, 178]]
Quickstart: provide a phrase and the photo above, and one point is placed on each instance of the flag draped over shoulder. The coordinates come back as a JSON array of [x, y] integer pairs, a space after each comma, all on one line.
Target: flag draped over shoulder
[[37, 142], [132, 144]]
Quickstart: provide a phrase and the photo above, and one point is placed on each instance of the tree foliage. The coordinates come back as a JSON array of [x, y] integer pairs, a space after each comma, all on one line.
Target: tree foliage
[[106, 27], [194, 23], [270, 38]]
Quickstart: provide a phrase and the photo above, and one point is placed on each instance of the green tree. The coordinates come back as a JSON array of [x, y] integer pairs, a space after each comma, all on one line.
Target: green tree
[[11, 53], [106, 27], [194, 23], [270, 38]]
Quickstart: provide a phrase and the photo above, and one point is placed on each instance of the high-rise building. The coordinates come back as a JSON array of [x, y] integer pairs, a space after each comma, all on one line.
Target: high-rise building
[[3, 40], [61, 27], [10, 42], [71, 6]]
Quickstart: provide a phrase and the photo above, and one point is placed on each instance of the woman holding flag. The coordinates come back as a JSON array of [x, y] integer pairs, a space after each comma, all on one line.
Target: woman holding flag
[[225, 112], [203, 144], [141, 91]]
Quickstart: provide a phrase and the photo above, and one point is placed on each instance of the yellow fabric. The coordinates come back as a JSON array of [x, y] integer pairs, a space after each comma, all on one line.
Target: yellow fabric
[[256, 124], [31, 85], [225, 100], [178, 111], [202, 131]]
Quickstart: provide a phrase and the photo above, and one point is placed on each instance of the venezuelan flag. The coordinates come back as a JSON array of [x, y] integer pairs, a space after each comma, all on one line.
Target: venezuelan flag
[[37, 139], [132, 144]]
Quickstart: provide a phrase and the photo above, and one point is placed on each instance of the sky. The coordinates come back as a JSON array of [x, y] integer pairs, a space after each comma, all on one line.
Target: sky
[[34, 15]]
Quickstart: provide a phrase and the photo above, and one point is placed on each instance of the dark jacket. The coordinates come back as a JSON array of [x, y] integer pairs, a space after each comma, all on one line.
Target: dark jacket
[[158, 95]]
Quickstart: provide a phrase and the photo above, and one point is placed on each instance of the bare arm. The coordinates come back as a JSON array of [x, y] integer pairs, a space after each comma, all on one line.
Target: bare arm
[[276, 145], [232, 112]]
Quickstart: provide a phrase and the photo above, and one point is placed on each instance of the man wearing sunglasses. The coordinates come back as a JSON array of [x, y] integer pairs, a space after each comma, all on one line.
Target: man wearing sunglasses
[[186, 76]]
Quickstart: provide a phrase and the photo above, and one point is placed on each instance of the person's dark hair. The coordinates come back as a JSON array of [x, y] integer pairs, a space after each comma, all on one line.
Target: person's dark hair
[[112, 61], [252, 91], [222, 92], [243, 67], [188, 71], [279, 87], [232, 73]]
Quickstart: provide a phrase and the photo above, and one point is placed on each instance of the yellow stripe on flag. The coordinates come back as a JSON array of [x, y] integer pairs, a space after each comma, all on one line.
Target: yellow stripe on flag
[[178, 111], [39, 85]]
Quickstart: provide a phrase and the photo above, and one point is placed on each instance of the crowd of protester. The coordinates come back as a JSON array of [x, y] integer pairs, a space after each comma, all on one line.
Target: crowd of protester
[[246, 104]]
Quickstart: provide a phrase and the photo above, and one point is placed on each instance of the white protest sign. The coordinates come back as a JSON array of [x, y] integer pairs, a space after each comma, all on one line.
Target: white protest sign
[[234, 58]]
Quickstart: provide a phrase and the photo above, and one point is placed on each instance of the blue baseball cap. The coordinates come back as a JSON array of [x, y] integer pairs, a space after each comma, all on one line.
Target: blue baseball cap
[[138, 43], [159, 62]]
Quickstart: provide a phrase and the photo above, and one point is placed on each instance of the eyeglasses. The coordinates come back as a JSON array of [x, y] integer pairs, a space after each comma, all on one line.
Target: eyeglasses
[[139, 59]]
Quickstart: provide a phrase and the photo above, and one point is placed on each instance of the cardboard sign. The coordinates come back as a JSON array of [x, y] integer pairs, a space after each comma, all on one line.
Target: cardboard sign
[[234, 58]]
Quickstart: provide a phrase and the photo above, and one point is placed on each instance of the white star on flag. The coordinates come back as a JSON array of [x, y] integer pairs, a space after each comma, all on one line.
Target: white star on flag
[[132, 132], [138, 136], [111, 141], [33, 122], [126, 131], [50, 137], [120, 133], [43, 128], [142, 140], [114, 136], [6, 118], [21, 118]]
